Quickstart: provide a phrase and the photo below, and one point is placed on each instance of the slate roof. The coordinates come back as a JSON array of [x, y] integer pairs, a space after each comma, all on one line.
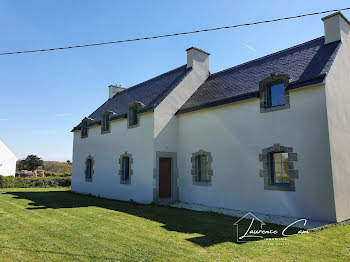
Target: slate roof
[[306, 64], [150, 93]]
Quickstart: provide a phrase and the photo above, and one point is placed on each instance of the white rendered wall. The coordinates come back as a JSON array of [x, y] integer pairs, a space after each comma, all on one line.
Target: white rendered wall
[[338, 109], [236, 134], [7, 161], [106, 150]]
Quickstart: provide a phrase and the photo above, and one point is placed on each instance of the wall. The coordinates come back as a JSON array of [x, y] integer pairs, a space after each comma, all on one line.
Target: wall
[[165, 123], [7, 161], [236, 134], [106, 150], [338, 111]]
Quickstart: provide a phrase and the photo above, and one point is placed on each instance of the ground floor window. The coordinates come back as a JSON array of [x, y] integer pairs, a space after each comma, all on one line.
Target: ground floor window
[[201, 168], [125, 171], [278, 168], [89, 165]]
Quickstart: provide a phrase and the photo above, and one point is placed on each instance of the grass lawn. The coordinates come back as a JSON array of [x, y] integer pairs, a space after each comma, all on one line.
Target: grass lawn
[[57, 225]]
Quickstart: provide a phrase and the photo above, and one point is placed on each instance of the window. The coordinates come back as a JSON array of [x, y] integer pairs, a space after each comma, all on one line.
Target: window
[[125, 171], [105, 124], [89, 164], [201, 168], [273, 93], [84, 129], [125, 168], [132, 116], [278, 168]]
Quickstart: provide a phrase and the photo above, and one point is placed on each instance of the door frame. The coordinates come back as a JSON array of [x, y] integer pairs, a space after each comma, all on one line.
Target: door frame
[[174, 177]]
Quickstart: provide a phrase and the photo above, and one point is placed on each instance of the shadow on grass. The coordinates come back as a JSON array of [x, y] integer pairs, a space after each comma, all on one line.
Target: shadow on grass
[[215, 228]]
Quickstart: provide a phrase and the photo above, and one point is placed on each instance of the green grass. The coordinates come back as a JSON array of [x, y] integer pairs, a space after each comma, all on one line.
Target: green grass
[[57, 225]]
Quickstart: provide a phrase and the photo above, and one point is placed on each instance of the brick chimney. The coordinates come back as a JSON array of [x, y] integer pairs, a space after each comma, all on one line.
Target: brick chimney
[[336, 27]]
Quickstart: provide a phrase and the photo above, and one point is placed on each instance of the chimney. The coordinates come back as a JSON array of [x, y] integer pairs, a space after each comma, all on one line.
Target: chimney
[[336, 27], [198, 59], [114, 89]]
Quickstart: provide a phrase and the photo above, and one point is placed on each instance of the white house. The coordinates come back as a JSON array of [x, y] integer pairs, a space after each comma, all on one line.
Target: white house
[[271, 135], [7, 161]]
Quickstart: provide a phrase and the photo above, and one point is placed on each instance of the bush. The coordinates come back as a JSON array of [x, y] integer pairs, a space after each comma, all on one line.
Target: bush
[[12, 182]]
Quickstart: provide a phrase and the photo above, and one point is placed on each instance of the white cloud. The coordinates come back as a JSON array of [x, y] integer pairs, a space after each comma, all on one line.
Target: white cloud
[[249, 47]]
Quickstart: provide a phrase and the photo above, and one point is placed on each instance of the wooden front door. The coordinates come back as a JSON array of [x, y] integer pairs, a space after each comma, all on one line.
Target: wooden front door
[[164, 177]]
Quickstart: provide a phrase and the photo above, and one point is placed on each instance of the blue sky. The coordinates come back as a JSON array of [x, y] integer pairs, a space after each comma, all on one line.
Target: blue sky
[[44, 95]]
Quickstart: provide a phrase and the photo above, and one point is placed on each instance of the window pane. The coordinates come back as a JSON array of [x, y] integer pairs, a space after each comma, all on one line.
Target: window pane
[[125, 168], [204, 170], [106, 118], [277, 95], [89, 168], [133, 116], [199, 168], [286, 179], [278, 178]]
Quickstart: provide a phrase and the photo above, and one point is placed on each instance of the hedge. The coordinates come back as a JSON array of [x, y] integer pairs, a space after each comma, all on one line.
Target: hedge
[[21, 182]]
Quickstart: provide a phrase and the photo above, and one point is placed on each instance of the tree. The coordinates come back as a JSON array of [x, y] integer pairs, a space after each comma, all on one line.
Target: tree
[[69, 162], [31, 162]]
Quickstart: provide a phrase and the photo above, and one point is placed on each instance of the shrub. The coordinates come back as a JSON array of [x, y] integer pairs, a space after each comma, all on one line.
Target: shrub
[[11, 182]]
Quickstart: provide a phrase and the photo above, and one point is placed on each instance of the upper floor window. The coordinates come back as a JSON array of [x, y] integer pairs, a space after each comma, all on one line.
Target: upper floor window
[[89, 164], [105, 122], [201, 168], [133, 114], [125, 171], [84, 127], [273, 93]]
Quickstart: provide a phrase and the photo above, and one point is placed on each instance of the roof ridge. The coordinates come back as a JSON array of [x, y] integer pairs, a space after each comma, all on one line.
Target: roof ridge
[[137, 85], [272, 54]]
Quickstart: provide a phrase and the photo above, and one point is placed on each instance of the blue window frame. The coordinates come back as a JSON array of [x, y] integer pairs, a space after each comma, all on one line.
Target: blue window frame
[[275, 95], [279, 167], [202, 168], [125, 168]]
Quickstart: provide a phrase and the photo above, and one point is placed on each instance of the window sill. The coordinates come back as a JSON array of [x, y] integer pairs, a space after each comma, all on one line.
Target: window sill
[[279, 188], [275, 108], [202, 183], [105, 132]]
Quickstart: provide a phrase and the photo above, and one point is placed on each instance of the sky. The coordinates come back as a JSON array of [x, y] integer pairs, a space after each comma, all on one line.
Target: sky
[[44, 95]]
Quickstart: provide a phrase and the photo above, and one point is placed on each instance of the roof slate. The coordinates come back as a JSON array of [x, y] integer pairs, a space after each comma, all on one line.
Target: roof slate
[[306, 64], [150, 93]]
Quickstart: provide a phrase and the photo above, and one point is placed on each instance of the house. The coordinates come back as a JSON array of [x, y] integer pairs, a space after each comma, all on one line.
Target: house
[[7, 161], [271, 135]]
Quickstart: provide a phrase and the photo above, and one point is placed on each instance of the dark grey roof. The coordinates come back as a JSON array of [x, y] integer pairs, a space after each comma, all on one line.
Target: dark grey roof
[[306, 64], [150, 93]]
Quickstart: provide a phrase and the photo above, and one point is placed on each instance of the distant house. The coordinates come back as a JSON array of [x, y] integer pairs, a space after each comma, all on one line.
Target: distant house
[[271, 135], [7, 161]]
